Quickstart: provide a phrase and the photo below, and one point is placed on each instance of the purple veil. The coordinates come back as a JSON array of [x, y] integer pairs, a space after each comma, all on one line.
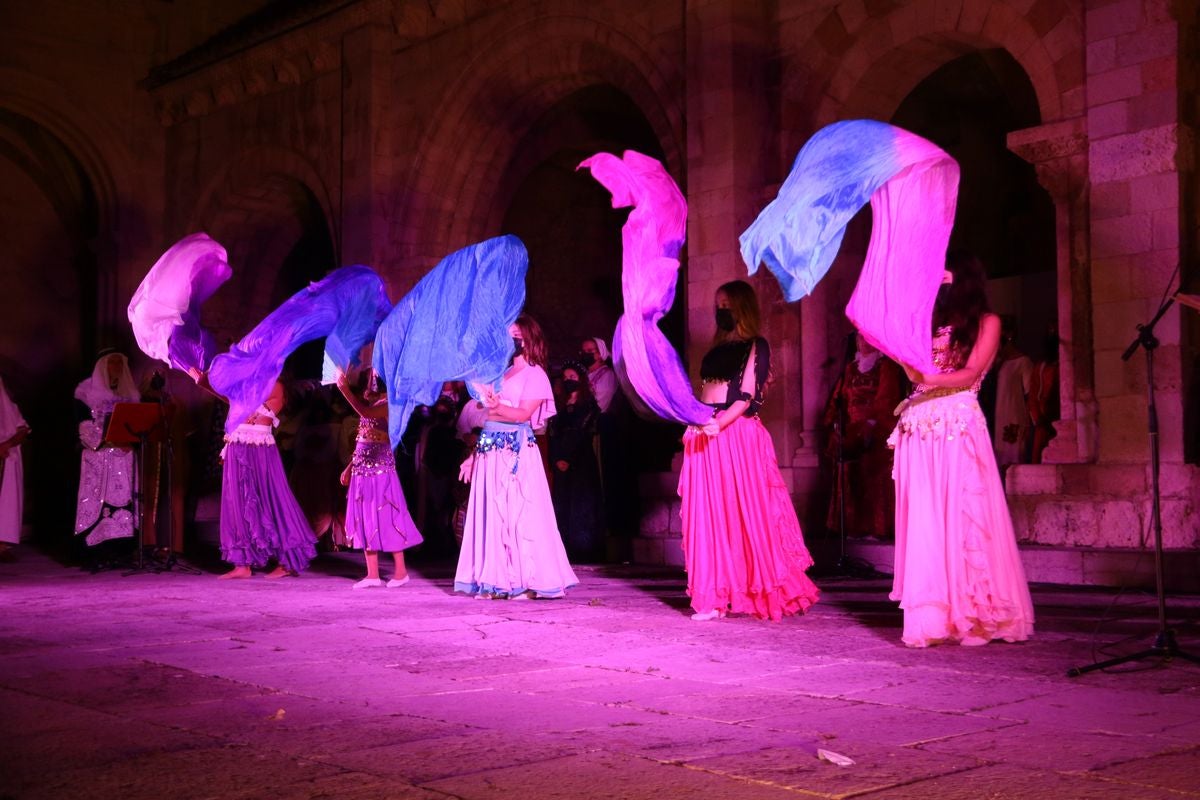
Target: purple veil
[[346, 307], [651, 239]]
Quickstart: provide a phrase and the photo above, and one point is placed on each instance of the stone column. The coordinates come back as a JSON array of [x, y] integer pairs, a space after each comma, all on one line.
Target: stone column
[[727, 130], [1058, 151]]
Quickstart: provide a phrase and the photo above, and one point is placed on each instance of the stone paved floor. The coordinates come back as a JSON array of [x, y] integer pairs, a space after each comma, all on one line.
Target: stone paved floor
[[178, 686]]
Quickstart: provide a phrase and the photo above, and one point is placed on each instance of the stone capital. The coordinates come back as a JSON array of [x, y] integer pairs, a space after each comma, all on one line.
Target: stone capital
[[1058, 152]]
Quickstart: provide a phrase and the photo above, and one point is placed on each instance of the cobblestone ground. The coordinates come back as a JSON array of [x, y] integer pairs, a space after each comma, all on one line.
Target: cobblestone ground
[[179, 686]]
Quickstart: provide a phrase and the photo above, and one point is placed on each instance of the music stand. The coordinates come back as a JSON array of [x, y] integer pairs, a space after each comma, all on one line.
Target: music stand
[[135, 424]]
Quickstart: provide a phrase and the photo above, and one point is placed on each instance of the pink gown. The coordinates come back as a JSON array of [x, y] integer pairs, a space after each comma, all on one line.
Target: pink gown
[[958, 575], [742, 543], [511, 542]]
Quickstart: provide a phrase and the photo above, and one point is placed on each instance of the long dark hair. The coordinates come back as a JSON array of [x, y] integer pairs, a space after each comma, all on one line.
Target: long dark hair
[[535, 342], [585, 384], [743, 302], [963, 302]]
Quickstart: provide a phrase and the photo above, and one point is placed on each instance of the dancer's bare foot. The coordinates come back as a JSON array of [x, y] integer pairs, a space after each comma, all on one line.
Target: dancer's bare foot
[[236, 572], [280, 572]]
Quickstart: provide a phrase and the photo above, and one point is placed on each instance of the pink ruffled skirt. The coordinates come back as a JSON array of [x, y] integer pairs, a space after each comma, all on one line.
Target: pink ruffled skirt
[[742, 543]]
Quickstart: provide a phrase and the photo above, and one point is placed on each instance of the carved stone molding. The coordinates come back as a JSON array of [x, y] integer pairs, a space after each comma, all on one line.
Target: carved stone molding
[[255, 59]]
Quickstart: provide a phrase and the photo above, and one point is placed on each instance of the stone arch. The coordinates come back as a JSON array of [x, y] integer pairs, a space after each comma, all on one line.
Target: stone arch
[[499, 96], [91, 142], [270, 210], [256, 167], [878, 59]]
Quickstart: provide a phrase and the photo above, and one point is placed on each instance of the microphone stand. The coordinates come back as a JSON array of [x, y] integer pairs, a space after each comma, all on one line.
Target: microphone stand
[[1164, 645]]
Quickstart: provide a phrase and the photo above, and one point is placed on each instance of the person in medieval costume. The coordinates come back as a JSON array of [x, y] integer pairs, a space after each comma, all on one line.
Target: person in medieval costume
[[105, 504], [13, 431]]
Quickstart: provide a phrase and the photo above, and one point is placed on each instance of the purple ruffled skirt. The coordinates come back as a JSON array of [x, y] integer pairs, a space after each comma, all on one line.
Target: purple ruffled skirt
[[260, 518]]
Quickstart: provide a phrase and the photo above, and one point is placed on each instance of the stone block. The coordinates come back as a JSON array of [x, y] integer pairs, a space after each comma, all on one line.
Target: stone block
[[1167, 236], [1116, 84], [1179, 480], [1109, 119], [1117, 322], [1117, 480], [675, 519], [1114, 568], [1160, 74], [1181, 527], [1147, 44], [1123, 429], [1032, 479], [1101, 56], [1153, 109], [654, 522], [1152, 192], [1110, 279], [1143, 152], [1069, 70], [1112, 19], [673, 552], [1062, 522], [1052, 565], [1118, 236]]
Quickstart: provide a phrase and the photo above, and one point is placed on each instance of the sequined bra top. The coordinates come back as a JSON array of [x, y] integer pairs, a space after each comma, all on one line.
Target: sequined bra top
[[947, 360]]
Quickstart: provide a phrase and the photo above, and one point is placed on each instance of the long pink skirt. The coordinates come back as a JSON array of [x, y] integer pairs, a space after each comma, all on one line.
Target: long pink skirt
[[958, 574], [511, 542], [742, 543]]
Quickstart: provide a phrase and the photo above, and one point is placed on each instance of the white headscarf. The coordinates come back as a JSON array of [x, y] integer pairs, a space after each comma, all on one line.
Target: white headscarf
[[98, 393], [601, 350]]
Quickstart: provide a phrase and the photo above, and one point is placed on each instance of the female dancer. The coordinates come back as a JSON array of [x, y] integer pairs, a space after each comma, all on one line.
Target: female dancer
[[958, 575], [742, 544], [511, 546], [377, 517], [260, 518]]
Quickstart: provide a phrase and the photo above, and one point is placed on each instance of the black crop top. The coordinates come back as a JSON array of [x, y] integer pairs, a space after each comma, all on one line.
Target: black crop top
[[727, 362]]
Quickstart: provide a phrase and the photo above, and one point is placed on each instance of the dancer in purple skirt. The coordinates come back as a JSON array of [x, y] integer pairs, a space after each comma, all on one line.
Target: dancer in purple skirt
[[260, 518], [377, 517]]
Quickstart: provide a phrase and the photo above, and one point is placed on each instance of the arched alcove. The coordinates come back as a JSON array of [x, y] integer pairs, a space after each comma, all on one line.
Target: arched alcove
[[48, 299]]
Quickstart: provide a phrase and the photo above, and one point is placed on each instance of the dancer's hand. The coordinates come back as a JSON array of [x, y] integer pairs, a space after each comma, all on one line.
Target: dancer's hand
[[711, 428], [344, 478], [465, 469], [195, 375], [914, 374]]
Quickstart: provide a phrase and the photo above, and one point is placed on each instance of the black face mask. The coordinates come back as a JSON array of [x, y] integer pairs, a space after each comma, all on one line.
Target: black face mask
[[725, 320], [518, 347], [587, 359], [569, 386]]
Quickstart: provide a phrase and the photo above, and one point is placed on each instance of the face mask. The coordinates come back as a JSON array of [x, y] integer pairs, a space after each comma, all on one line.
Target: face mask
[[725, 319], [587, 359], [518, 347], [570, 386]]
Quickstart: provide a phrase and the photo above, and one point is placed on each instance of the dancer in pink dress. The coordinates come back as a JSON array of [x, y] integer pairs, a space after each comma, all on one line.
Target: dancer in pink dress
[[958, 575], [377, 517], [511, 546], [742, 543]]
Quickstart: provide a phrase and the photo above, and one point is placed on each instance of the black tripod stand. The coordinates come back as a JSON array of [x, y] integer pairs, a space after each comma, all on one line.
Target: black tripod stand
[[1164, 646]]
